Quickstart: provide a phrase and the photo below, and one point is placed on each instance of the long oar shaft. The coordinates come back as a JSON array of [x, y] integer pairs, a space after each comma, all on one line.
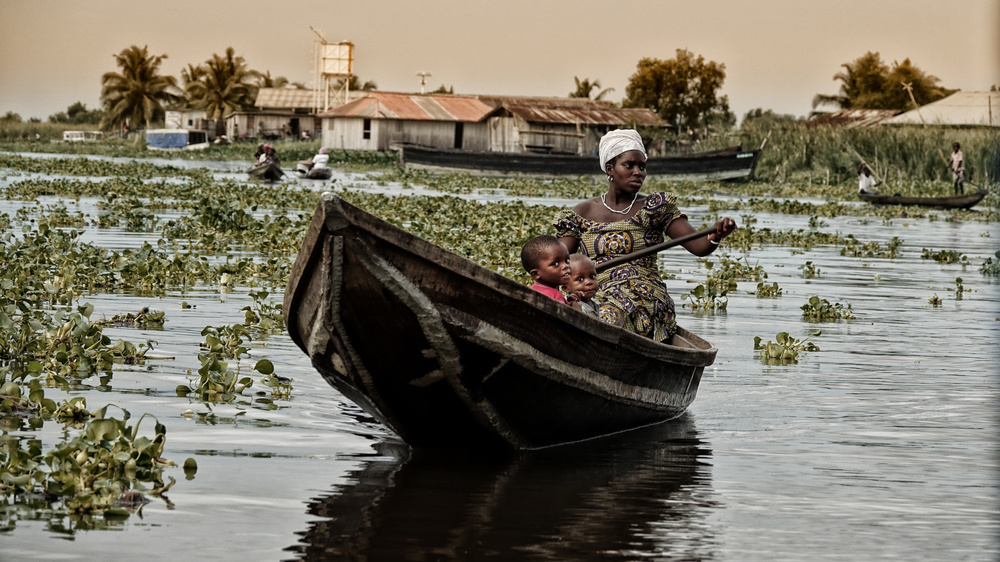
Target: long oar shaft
[[654, 249]]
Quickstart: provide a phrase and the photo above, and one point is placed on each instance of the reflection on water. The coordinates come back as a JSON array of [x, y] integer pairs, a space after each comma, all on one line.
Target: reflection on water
[[643, 492]]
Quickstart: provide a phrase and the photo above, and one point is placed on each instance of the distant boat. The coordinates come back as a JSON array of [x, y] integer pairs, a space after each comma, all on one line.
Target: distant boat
[[732, 163], [944, 202], [269, 171], [450, 354], [305, 170]]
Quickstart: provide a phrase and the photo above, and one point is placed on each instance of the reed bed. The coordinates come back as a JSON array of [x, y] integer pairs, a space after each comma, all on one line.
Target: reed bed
[[896, 153]]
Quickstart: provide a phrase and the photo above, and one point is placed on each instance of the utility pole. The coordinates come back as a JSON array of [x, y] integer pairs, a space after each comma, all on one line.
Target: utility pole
[[423, 80]]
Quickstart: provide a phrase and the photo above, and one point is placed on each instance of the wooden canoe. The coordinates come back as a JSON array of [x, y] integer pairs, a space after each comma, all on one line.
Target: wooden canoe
[[305, 170], [718, 165], [945, 202], [269, 171], [449, 354]]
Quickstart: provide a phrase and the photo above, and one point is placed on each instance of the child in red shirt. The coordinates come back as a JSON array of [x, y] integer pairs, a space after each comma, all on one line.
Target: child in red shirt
[[546, 259]]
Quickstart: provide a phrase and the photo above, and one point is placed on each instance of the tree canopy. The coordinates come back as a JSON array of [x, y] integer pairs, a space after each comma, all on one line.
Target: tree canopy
[[355, 84], [221, 85], [585, 87], [77, 113], [139, 92], [868, 83], [684, 91]]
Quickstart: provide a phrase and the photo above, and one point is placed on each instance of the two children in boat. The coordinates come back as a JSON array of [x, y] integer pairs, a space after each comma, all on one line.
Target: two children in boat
[[550, 264]]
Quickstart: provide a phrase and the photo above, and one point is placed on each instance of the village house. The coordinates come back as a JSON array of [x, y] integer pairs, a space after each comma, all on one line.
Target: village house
[[279, 113], [476, 123]]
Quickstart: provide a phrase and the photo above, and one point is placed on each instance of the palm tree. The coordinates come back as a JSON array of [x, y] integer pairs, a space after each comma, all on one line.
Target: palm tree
[[224, 85], [355, 84], [585, 86], [138, 93], [266, 81]]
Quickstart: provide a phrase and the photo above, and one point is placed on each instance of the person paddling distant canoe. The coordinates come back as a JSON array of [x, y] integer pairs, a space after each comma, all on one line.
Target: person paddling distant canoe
[[622, 221], [865, 180]]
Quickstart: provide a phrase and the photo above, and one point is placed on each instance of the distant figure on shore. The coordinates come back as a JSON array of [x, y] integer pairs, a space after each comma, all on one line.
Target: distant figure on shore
[[865, 180], [957, 166]]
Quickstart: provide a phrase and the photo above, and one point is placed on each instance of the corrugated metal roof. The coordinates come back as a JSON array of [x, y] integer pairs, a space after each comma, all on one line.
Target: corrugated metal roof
[[413, 107], [294, 98], [285, 98], [573, 110], [960, 108], [852, 118]]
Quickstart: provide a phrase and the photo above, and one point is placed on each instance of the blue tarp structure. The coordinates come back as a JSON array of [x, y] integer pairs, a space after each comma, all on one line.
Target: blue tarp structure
[[166, 138]]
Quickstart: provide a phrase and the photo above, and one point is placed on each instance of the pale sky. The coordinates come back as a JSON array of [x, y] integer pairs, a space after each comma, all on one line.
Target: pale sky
[[778, 53]]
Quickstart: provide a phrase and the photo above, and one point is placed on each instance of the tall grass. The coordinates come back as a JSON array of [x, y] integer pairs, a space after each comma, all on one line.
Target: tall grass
[[27, 131], [896, 152]]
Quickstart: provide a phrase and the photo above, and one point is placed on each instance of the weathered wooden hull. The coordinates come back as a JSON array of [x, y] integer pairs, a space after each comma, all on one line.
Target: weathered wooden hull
[[718, 165], [946, 202], [305, 170], [268, 171], [449, 354]]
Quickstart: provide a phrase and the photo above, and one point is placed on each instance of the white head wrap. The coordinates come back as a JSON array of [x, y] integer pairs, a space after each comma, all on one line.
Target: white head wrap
[[618, 142]]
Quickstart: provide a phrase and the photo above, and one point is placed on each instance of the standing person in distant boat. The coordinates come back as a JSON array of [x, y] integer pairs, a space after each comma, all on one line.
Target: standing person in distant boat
[[621, 221], [865, 179], [957, 166]]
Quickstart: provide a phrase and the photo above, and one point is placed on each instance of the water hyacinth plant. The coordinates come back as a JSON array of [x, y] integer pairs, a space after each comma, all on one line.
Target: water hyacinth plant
[[822, 310], [785, 348], [991, 266]]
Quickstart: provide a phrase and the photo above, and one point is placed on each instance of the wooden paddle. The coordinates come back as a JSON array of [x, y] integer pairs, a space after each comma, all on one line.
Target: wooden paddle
[[653, 249]]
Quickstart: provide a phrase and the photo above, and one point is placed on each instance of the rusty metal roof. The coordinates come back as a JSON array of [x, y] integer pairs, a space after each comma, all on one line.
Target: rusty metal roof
[[413, 107], [852, 118], [572, 111]]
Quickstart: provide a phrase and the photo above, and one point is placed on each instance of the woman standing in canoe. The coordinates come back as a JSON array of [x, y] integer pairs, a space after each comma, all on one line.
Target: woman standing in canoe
[[621, 221]]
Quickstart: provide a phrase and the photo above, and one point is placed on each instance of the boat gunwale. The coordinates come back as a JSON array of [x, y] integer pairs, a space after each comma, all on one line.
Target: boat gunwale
[[700, 355]]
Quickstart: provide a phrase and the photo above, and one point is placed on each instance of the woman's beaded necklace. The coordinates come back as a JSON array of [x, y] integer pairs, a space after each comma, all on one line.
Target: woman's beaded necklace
[[623, 211]]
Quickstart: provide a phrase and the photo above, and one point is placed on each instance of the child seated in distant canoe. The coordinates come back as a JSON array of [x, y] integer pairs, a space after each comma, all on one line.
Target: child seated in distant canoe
[[546, 259], [582, 284]]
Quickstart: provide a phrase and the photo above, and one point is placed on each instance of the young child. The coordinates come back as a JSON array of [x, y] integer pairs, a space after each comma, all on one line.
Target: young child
[[546, 259], [582, 283]]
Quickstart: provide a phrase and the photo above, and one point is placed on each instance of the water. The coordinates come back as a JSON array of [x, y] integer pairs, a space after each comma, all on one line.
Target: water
[[882, 446]]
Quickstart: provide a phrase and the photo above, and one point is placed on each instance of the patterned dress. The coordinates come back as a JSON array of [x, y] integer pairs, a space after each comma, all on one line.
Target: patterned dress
[[632, 295]]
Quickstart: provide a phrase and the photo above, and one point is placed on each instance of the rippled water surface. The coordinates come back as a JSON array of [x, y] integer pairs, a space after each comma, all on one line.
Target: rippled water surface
[[881, 446]]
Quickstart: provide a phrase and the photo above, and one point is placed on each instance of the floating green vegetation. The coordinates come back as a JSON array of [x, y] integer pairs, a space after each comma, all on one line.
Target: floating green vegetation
[[809, 270], [262, 315], [960, 289], [145, 318], [945, 256], [991, 266], [871, 249], [765, 291], [103, 470], [710, 296], [94, 167], [785, 349], [216, 382], [736, 269], [822, 310]]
